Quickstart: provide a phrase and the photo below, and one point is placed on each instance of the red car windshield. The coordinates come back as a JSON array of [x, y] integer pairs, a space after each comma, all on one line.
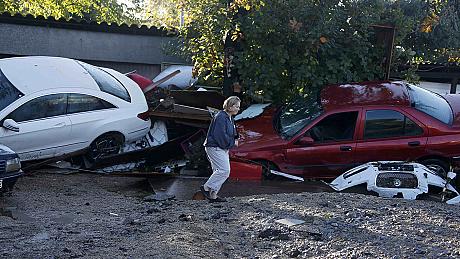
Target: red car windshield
[[430, 103], [297, 114]]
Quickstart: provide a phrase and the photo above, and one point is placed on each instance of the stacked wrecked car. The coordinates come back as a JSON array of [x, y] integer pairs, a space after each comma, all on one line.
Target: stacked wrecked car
[[127, 123]]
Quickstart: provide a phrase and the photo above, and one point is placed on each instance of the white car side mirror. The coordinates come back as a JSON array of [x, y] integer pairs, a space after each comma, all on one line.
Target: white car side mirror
[[10, 124]]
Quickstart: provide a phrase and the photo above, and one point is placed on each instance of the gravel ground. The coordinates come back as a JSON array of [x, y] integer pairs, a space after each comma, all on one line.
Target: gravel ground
[[82, 215]]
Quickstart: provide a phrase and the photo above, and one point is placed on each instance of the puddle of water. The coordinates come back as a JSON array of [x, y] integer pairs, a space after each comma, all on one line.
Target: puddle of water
[[43, 236], [185, 187], [130, 187], [12, 212], [65, 219], [6, 212]]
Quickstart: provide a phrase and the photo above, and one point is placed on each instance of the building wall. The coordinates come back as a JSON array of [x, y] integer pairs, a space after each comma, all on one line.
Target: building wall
[[120, 51], [440, 88]]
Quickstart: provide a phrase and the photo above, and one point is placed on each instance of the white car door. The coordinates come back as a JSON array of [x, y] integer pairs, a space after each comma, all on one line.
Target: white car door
[[43, 127], [88, 114]]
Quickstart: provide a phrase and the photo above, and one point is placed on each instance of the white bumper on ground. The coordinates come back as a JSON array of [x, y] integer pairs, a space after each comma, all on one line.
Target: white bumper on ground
[[389, 178]]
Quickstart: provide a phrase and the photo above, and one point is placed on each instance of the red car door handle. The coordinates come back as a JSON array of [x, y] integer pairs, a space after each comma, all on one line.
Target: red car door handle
[[345, 148], [414, 143]]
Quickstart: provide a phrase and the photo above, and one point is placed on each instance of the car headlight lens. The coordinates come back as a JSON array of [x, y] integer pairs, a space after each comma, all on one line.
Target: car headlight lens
[[13, 165]]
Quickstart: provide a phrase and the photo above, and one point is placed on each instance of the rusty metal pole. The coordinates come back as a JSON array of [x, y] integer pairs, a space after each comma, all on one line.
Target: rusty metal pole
[[453, 85], [231, 85], [386, 36], [389, 51], [227, 87]]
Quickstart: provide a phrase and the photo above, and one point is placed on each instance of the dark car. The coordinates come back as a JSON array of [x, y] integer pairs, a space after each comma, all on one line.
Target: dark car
[[10, 168], [351, 124]]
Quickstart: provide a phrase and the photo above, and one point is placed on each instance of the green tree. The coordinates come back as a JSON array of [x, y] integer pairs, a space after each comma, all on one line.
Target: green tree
[[435, 38], [109, 11], [162, 13], [289, 47]]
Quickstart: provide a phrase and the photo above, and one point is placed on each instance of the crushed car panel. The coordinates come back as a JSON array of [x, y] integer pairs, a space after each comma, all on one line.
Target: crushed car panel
[[245, 171], [389, 178], [252, 111], [182, 80]]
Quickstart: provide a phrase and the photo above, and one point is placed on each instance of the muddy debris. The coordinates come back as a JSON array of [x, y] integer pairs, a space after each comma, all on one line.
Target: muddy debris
[[351, 225]]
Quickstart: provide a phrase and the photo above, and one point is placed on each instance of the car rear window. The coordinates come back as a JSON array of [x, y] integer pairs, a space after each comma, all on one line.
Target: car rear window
[[83, 103], [430, 103], [106, 82], [8, 93], [389, 124]]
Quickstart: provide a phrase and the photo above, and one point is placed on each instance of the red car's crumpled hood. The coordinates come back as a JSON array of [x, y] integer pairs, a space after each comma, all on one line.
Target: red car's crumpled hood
[[258, 133], [454, 102]]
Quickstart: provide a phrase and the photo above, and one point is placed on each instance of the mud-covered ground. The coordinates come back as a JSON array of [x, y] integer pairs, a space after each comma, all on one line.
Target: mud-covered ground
[[84, 215]]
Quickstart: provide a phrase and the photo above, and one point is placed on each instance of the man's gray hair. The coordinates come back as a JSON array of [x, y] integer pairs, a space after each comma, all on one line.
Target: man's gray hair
[[230, 101]]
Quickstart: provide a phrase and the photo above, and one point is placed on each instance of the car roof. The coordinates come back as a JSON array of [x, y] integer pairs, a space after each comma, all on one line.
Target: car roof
[[365, 93], [38, 73]]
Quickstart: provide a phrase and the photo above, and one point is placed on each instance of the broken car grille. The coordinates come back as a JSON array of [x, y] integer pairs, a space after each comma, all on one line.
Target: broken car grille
[[2, 166], [396, 167], [397, 180]]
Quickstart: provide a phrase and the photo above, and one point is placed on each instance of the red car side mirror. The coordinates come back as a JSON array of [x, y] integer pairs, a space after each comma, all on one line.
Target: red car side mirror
[[305, 141]]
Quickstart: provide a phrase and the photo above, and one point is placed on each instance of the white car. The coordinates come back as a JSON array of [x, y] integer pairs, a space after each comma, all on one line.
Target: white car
[[51, 106]]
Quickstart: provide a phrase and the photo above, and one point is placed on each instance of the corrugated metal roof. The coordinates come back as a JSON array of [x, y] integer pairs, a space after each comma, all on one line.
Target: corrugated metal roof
[[81, 25]]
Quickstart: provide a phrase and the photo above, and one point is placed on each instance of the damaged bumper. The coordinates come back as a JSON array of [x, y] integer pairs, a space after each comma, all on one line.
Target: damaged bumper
[[390, 178]]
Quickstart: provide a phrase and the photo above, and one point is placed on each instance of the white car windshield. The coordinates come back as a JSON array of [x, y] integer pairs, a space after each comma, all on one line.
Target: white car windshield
[[8, 93], [430, 103]]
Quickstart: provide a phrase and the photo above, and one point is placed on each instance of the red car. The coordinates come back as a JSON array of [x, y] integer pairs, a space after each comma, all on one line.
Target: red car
[[351, 124]]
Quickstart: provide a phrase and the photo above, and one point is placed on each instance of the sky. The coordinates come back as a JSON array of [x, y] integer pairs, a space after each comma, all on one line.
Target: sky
[[126, 2]]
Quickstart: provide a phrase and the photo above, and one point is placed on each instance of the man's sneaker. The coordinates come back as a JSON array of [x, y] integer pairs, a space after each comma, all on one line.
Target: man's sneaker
[[218, 199], [206, 194]]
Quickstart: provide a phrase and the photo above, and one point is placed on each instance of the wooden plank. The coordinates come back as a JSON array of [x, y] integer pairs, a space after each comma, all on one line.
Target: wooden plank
[[175, 115]]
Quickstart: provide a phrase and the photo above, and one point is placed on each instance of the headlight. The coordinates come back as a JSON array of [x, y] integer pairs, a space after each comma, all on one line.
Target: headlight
[[13, 165]]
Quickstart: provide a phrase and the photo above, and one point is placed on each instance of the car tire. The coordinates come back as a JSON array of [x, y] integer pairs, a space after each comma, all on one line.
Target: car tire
[[104, 145], [439, 166]]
